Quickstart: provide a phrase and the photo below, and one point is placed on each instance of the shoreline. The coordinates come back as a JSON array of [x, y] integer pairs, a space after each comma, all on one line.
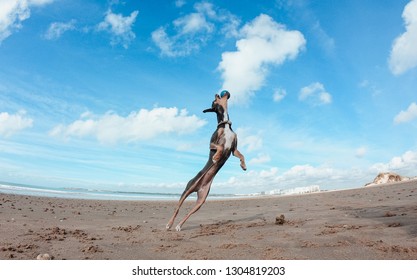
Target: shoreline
[[378, 222], [97, 194]]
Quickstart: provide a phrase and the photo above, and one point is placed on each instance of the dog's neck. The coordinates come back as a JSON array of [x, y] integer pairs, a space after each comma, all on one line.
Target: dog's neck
[[224, 123], [223, 119]]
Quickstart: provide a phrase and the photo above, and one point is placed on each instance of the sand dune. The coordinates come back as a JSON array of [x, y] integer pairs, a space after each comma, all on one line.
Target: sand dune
[[377, 222]]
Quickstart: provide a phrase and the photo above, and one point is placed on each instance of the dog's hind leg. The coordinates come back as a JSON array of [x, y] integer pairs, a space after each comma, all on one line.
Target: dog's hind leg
[[184, 196], [177, 209], [201, 198], [192, 186]]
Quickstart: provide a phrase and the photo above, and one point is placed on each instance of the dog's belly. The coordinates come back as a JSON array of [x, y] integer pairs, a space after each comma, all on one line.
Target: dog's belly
[[229, 136]]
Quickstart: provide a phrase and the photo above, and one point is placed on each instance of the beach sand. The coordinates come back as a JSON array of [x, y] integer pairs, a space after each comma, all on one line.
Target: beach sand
[[377, 222]]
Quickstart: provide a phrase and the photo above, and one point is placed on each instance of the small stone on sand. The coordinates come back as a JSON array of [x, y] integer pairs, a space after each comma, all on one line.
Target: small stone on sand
[[43, 257], [280, 220]]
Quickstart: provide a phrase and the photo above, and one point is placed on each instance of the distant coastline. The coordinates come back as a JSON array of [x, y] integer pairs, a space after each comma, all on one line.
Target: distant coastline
[[97, 194]]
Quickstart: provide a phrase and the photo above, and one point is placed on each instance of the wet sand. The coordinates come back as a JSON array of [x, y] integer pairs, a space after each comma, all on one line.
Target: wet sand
[[375, 223]]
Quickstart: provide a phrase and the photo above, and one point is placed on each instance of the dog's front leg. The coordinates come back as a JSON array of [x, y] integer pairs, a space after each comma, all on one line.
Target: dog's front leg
[[239, 155], [219, 151]]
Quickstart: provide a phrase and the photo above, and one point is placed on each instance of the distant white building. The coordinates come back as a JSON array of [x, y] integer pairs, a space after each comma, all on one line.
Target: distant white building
[[299, 190]]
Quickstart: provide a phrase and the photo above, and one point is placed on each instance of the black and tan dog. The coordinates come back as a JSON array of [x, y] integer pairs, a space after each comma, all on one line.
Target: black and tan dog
[[223, 143]]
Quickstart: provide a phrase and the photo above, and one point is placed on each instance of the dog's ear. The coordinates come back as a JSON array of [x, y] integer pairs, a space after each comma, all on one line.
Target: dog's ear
[[209, 110]]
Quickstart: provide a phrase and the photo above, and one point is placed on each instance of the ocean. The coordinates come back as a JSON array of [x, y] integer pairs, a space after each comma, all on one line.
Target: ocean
[[93, 193]]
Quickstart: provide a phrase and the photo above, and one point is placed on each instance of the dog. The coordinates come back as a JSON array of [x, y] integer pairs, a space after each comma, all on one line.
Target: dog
[[223, 143]]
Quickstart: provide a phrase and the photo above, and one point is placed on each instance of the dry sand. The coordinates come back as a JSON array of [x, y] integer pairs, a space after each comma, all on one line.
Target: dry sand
[[368, 223]]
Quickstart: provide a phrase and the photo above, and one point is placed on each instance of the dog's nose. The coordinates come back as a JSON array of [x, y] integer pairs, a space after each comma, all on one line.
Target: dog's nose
[[208, 110]]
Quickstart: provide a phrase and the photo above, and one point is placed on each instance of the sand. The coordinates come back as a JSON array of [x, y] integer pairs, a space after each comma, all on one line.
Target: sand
[[375, 223]]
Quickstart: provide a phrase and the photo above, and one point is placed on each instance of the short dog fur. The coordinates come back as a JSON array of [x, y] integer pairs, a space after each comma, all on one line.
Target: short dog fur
[[223, 143]]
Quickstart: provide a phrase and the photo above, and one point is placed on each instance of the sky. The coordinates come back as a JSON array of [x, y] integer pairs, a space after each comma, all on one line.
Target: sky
[[110, 94]]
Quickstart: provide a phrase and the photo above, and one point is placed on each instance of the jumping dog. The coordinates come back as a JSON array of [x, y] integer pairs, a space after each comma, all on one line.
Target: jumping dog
[[223, 143]]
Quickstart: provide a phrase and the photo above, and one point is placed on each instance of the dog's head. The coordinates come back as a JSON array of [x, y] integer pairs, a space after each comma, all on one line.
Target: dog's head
[[219, 104]]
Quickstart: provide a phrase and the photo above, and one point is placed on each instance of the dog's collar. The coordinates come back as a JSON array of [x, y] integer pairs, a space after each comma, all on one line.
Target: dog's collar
[[224, 122]]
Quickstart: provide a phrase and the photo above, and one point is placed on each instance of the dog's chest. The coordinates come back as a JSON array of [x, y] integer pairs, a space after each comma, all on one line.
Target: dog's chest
[[229, 136]]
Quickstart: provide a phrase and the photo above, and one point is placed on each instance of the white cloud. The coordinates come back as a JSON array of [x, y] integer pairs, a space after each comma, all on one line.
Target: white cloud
[[403, 55], [179, 3], [137, 126], [316, 94], [14, 12], [279, 94], [13, 123], [405, 164], [325, 176], [327, 42], [206, 8], [309, 20], [231, 27], [261, 158], [408, 115], [272, 172], [361, 152], [192, 31], [263, 43], [184, 147], [120, 27], [371, 86], [56, 29], [296, 176], [166, 44], [247, 139], [192, 23], [307, 171], [38, 2]]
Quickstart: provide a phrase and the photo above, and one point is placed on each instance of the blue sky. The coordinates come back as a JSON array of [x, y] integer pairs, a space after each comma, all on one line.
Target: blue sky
[[110, 94]]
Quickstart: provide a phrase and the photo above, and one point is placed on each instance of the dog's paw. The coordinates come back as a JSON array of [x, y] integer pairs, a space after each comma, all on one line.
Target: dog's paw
[[243, 167], [168, 226], [178, 228]]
